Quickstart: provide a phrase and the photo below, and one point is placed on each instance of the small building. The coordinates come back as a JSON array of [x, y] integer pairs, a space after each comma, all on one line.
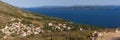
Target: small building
[[81, 29], [50, 24], [59, 24], [117, 31]]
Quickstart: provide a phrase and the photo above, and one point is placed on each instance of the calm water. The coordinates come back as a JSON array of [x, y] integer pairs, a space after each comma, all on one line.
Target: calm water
[[97, 17]]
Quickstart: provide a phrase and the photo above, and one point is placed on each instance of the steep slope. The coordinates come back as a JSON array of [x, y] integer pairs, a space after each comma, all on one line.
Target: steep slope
[[7, 12], [15, 21]]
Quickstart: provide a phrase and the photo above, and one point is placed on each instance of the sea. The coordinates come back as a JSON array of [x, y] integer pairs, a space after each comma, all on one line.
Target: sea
[[104, 17]]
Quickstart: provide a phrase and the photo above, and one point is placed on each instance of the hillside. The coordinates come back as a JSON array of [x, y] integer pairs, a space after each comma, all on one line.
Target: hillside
[[18, 24], [110, 36], [8, 12]]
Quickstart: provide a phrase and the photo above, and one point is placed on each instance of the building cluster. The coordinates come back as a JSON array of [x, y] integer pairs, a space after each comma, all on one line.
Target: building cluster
[[60, 27], [15, 27]]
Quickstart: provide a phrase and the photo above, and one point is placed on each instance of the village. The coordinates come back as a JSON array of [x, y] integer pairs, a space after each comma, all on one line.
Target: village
[[16, 29]]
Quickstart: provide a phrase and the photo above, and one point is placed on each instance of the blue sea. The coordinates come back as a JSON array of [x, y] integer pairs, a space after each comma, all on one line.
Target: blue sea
[[98, 17]]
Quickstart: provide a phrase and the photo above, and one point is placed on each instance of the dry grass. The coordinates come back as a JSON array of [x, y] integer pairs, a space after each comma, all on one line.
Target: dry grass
[[72, 35]]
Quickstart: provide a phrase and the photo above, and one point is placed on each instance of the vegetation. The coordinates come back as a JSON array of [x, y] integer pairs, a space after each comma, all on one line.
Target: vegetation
[[7, 12]]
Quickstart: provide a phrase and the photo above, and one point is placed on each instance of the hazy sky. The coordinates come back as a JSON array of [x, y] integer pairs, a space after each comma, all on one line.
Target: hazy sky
[[35, 3]]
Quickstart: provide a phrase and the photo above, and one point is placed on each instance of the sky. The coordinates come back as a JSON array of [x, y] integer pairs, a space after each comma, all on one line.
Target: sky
[[37, 3]]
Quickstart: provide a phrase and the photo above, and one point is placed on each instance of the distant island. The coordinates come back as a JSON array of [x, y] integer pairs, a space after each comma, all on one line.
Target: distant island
[[79, 7]]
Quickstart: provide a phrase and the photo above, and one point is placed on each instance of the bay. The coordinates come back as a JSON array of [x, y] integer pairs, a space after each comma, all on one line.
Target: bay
[[97, 17]]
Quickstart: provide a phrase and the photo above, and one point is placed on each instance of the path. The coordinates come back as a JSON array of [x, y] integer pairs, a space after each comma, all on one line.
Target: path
[[110, 36]]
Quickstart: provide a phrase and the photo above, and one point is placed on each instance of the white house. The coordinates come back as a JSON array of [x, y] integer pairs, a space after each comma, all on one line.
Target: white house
[[50, 24]]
